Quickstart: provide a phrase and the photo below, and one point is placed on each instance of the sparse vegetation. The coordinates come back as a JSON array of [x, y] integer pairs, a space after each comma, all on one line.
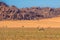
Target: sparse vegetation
[[29, 34]]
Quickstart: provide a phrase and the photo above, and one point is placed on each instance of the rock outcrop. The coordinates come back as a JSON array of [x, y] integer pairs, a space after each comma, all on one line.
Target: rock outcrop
[[33, 13]]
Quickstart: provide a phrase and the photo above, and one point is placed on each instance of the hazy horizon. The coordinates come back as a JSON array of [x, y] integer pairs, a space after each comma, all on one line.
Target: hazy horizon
[[33, 3]]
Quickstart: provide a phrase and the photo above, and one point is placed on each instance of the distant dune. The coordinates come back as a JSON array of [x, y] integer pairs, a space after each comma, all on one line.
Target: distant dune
[[45, 23]]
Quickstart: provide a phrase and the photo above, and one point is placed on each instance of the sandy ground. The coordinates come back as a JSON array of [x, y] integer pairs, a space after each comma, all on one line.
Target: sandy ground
[[51, 22]]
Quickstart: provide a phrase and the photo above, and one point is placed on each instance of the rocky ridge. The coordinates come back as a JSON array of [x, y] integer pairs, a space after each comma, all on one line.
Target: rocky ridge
[[33, 13]]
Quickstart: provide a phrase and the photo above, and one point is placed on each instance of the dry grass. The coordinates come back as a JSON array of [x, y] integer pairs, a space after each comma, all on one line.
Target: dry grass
[[30, 29], [50, 22], [29, 34]]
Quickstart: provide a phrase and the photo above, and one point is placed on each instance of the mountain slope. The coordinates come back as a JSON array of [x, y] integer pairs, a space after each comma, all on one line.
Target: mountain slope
[[33, 13]]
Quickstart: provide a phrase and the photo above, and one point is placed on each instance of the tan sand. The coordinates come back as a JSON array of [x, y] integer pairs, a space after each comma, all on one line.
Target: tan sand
[[51, 22]]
